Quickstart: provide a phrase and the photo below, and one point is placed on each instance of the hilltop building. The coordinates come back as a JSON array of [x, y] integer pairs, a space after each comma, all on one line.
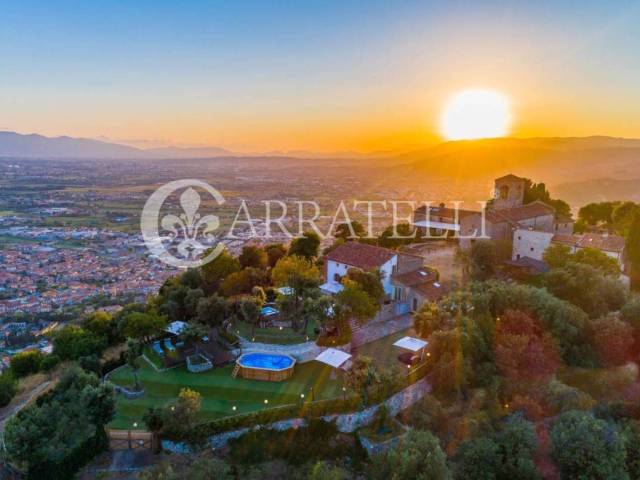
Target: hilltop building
[[505, 214]]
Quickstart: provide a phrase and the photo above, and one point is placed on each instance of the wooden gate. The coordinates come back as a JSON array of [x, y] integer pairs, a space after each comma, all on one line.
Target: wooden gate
[[131, 440]]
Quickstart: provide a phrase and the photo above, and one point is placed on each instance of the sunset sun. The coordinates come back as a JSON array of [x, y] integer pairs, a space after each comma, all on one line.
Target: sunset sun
[[476, 113]]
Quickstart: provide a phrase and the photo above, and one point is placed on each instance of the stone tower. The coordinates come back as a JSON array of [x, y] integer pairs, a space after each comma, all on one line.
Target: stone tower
[[509, 192]]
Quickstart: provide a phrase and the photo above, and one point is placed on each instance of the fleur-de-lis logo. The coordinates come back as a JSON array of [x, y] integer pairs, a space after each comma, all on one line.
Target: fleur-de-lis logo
[[188, 229]]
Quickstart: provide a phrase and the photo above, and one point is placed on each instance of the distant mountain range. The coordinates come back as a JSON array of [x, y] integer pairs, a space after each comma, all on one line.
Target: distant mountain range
[[554, 160], [14, 144], [568, 158]]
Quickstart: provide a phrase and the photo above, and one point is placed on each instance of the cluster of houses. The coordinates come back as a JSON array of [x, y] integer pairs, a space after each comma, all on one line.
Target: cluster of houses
[[530, 227], [46, 275]]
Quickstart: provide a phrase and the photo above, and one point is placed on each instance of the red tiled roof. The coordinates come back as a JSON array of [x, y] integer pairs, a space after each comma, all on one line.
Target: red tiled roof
[[444, 212], [607, 243], [517, 214], [361, 255], [432, 291], [565, 239]]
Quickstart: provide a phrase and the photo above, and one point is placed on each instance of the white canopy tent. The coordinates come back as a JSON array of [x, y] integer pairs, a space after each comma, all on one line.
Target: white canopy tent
[[176, 328], [411, 343], [333, 357]]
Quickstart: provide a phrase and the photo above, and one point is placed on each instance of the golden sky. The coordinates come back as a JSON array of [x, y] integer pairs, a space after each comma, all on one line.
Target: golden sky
[[323, 77]]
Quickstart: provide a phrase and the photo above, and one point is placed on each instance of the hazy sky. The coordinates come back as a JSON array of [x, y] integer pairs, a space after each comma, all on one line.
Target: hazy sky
[[313, 75]]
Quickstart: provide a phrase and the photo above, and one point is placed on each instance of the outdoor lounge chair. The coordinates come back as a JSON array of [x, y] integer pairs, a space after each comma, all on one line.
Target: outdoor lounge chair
[[168, 345], [158, 348]]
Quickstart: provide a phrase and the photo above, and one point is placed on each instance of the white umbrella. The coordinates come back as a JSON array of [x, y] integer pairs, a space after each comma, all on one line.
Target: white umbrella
[[413, 344], [333, 357]]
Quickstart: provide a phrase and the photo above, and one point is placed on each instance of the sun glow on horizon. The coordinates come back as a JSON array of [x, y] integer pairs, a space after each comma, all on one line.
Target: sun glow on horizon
[[476, 113]]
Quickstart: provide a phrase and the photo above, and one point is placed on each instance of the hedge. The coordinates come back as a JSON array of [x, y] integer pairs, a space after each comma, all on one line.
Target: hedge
[[319, 408]]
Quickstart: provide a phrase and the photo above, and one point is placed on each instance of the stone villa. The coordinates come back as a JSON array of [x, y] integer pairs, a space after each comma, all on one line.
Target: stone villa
[[406, 281], [506, 213]]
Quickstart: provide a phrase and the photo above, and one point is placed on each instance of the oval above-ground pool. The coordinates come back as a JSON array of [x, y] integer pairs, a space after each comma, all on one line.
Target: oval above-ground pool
[[273, 367]]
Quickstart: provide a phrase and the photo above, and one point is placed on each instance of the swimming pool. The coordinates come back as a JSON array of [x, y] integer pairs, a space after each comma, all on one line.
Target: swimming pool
[[266, 311], [265, 366]]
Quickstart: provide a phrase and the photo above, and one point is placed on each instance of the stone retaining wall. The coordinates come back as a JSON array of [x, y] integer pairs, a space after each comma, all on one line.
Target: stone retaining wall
[[128, 394]]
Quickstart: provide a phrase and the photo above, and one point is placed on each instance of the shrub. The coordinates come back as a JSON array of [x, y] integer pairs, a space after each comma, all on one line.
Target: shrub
[[8, 388], [506, 454], [73, 342], [566, 322], [315, 441], [586, 447], [343, 337], [25, 363], [49, 362], [561, 398], [417, 456], [90, 363], [63, 429], [612, 340]]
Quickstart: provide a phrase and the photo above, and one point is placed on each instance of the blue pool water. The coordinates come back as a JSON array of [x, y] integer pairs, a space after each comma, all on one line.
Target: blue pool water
[[269, 311], [266, 360]]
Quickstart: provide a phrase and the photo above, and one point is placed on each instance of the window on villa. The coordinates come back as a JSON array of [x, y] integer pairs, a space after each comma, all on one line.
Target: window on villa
[[337, 277], [397, 294]]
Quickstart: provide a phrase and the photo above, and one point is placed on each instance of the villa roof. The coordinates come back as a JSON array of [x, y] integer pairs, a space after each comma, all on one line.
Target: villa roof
[[444, 212], [361, 255], [517, 214], [528, 262], [432, 291], [607, 243], [565, 239], [415, 277], [564, 218], [509, 176]]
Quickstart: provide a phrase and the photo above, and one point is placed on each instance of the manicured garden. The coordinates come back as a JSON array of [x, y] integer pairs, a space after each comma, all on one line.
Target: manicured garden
[[282, 336], [220, 391]]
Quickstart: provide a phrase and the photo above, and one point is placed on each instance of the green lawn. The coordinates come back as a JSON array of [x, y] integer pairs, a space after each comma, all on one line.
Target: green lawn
[[384, 353], [220, 392], [286, 336]]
